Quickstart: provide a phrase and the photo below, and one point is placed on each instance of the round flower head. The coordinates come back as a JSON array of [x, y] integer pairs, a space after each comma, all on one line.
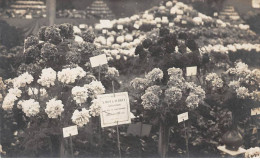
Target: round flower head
[[139, 84], [47, 78], [95, 108], [214, 80], [154, 75], [8, 102], [173, 95], [112, 72], [68, 75], [54, 108], [33, 91], [30, 107], [150, 101], [154, 89], [15, 91], [80, 94], [234, 85], [175, 72], [22, 80], [96, 87], [80, 118], [192, 101], [242, 92]]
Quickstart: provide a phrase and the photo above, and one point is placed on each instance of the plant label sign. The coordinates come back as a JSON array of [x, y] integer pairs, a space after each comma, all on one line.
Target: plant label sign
[[120, 27], [98, 60], [256, 3], [115, 109], [255, 111], [190, 71], [70, 131], [183, 117], [106, 24]]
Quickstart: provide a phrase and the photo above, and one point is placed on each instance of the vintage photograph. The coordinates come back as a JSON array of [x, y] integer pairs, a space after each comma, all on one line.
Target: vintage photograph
[[130, 79]]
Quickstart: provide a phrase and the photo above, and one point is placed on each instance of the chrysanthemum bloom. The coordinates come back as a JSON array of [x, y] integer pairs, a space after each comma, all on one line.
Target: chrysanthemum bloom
[[54, 108], [80, 118]]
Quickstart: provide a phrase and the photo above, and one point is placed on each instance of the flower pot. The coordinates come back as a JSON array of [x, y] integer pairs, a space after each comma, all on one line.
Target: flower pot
[[232, 139]]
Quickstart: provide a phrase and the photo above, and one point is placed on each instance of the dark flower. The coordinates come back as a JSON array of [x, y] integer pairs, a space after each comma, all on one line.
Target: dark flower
[[163, 32], [41, 33], [66, 30], [88, 36], [139, 49], [147, 43], [30, 41], [52, 34], [191, 44]]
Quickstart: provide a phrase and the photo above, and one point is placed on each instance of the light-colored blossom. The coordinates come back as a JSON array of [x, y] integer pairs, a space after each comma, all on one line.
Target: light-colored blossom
[[154, 89], [214, 81], [96, 87], [30, 107], [95, 108], [80, 94], [234, 85], [54, 108], [139, 84], [47, 78], [242, 92], [22, 80], [112, 72], [33, 91], [173, 95], [69, 76], [154, 75], [8, 102], [80, 118], [150, 101], [175, 72], [192, 101], [15, 91]]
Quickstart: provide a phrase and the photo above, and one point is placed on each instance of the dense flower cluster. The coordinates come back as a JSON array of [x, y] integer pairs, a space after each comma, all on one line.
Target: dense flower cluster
[[54, 108], [33, 91], [30, 107], [154, 75], [173, 95], [150, 101], [192, 101], [80, 94], [234, 85], [112, 72], [154, 89], [80, 118], [47, 78], [95, 88], [139, 84], [214, 80], [15, 91], [22, 80], [253, 153], [8, 102], [242, 92], [95, 108], [69, 75]]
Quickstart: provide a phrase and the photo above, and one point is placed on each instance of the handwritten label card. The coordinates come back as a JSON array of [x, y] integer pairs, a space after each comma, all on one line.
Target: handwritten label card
[[70, 131], [115, 109], [255, 111], [183, 117], [98, 60], [120, 27], [190, 71]]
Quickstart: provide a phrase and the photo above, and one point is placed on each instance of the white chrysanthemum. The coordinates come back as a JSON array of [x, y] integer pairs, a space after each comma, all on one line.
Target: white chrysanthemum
[[68, 75], [97, 88], [253, 153], [22, 80], [154, 75], [242, 92], [150, 101], [33, 91], [234, 85], [192, 101], [54, 108], [95, 108], [197, 90], [214, 80], [8, 102], [175, 72], [30, 107], [80, 118], [47, 78], [15, 91], [80, 94], [173, 95]]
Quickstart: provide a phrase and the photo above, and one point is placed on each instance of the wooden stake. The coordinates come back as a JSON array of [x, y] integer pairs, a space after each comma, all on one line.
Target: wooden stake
[[187, 140], [99, 73], [71, 147], [118, 140]]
